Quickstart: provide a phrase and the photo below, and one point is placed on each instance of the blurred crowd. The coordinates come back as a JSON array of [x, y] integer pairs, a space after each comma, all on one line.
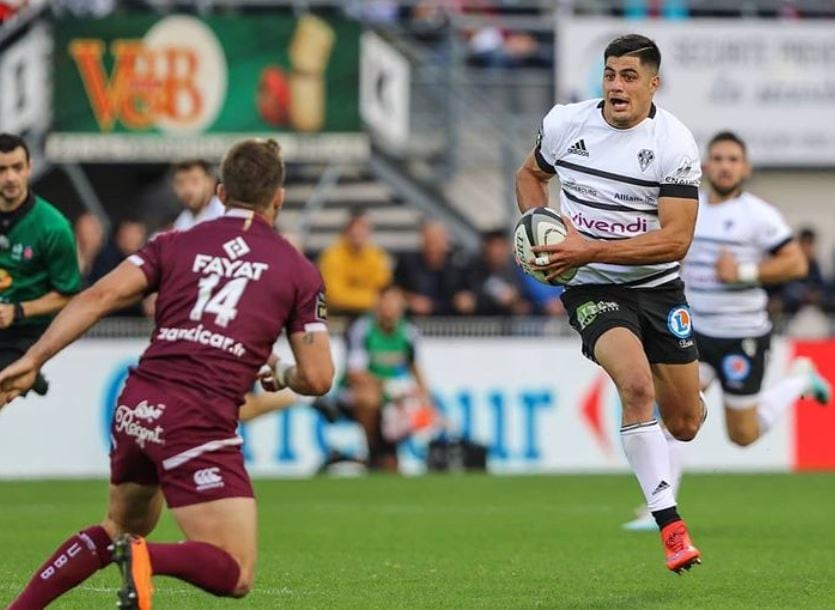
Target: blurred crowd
[[437, 279]]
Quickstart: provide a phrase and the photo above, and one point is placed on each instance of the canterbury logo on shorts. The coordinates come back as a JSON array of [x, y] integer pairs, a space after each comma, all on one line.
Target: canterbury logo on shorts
[[208, 478]]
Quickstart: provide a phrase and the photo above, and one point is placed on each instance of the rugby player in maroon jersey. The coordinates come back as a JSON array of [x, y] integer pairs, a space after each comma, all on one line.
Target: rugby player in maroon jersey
[[227, 289]]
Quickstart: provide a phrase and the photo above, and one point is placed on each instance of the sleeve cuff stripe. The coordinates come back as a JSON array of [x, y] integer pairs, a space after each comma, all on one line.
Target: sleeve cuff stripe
[[314, 327], [682, 191], [779, 245], [542, 163], [136, 260]]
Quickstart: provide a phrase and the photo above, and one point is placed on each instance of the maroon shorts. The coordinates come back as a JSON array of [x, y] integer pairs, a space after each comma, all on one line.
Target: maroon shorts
[[180, 440]]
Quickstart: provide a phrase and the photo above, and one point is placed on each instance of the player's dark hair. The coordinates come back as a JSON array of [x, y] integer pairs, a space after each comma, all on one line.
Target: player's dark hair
[[252, 172], [355, 215], [635, 45], [186, 164], [9, 142], [807, 234], [492, 234], [728, 136]]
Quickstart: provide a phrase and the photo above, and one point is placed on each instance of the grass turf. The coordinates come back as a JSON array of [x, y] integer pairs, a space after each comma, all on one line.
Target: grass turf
[[477, 542]]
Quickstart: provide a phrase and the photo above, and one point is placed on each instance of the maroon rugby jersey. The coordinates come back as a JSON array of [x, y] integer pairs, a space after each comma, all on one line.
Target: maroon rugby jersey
[[226, 288]]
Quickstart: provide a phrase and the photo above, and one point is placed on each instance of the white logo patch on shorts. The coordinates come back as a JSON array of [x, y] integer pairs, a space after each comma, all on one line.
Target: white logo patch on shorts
[[138, 422], [208, 478]]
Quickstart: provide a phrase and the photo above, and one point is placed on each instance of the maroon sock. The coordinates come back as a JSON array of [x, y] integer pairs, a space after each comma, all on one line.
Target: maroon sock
[[74, 562], [199, 563]]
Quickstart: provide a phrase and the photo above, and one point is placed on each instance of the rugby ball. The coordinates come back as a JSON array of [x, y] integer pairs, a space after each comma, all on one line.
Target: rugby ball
[[539, 227]]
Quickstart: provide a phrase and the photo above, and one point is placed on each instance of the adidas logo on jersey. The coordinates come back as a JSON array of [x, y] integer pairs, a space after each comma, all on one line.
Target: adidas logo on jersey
[[579, 148]]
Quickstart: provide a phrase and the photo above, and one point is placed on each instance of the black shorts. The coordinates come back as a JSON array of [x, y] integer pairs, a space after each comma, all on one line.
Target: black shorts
[[659, 317], [15, 340], [739, 364]]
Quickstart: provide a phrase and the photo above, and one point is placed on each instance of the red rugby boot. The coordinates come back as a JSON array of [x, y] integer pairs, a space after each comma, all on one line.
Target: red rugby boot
[[680, 552]]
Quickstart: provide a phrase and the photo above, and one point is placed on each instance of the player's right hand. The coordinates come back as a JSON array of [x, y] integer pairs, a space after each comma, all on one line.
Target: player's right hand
[[267, 375], [17, 378]]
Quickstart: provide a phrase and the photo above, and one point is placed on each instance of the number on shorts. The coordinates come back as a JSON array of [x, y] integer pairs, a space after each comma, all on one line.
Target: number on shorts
[[223, 304]]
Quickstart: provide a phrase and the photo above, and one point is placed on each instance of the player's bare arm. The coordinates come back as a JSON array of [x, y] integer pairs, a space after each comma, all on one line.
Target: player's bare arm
[[677, 217], [312, 374], [45, 305], [787, 264], [531, 184], [121, 287]]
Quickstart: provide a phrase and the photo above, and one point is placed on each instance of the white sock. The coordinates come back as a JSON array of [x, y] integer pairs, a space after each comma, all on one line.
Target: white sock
[[646, 450], [776, 399], [674, 447]]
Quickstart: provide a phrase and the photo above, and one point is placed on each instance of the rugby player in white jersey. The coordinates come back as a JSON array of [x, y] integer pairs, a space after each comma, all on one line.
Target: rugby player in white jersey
[[741, 243], [629, 175]]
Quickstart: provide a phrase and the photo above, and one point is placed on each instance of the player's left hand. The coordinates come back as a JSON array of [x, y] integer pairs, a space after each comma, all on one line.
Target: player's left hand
[[6, 315], [727, 269], [570, 253], [17, 378]]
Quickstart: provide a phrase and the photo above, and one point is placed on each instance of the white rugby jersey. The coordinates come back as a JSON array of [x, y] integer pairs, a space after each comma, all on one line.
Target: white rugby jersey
[[751, 230], [611, 180], [214, 209]]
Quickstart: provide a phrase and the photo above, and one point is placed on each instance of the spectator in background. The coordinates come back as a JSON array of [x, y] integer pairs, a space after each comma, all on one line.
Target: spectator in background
[[494, 278], [194, 185], [433, 279], [381, 371], [128, 237], [354, 269], [89, 239], [809, 290]]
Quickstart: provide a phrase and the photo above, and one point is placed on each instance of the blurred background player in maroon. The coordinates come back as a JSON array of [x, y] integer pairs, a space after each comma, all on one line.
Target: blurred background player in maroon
[[227, 288]]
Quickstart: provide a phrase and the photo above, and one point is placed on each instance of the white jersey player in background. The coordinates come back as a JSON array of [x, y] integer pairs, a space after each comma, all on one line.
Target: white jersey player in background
[[629, 173], [741, 243], [194, 185]]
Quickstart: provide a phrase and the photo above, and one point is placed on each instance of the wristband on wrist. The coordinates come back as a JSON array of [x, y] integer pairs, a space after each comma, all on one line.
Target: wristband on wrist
[[748, 273], [19, 314]]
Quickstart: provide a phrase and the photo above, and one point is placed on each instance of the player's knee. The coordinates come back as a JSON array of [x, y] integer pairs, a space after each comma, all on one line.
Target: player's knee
[[742, 437], [684, 428], [637, 394]]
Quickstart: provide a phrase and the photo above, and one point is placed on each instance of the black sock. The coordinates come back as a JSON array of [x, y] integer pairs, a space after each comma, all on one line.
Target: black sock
[[665, 516]]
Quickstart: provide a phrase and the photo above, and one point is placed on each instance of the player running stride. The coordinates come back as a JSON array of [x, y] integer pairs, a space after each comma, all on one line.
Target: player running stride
[[227, 288], [741, 243], [629, 173]]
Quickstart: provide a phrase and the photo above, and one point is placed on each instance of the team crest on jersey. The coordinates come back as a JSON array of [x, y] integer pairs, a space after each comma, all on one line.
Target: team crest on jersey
[[679, 322], [736, 367], [645, 158], [236, 248]]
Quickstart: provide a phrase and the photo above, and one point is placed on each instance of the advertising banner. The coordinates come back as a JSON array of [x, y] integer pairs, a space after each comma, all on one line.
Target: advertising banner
[[24, 81], [152, 88], [536, 403], [773, 82]]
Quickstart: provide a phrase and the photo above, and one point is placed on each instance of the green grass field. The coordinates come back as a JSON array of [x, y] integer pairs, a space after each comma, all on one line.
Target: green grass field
[[478, 542]]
